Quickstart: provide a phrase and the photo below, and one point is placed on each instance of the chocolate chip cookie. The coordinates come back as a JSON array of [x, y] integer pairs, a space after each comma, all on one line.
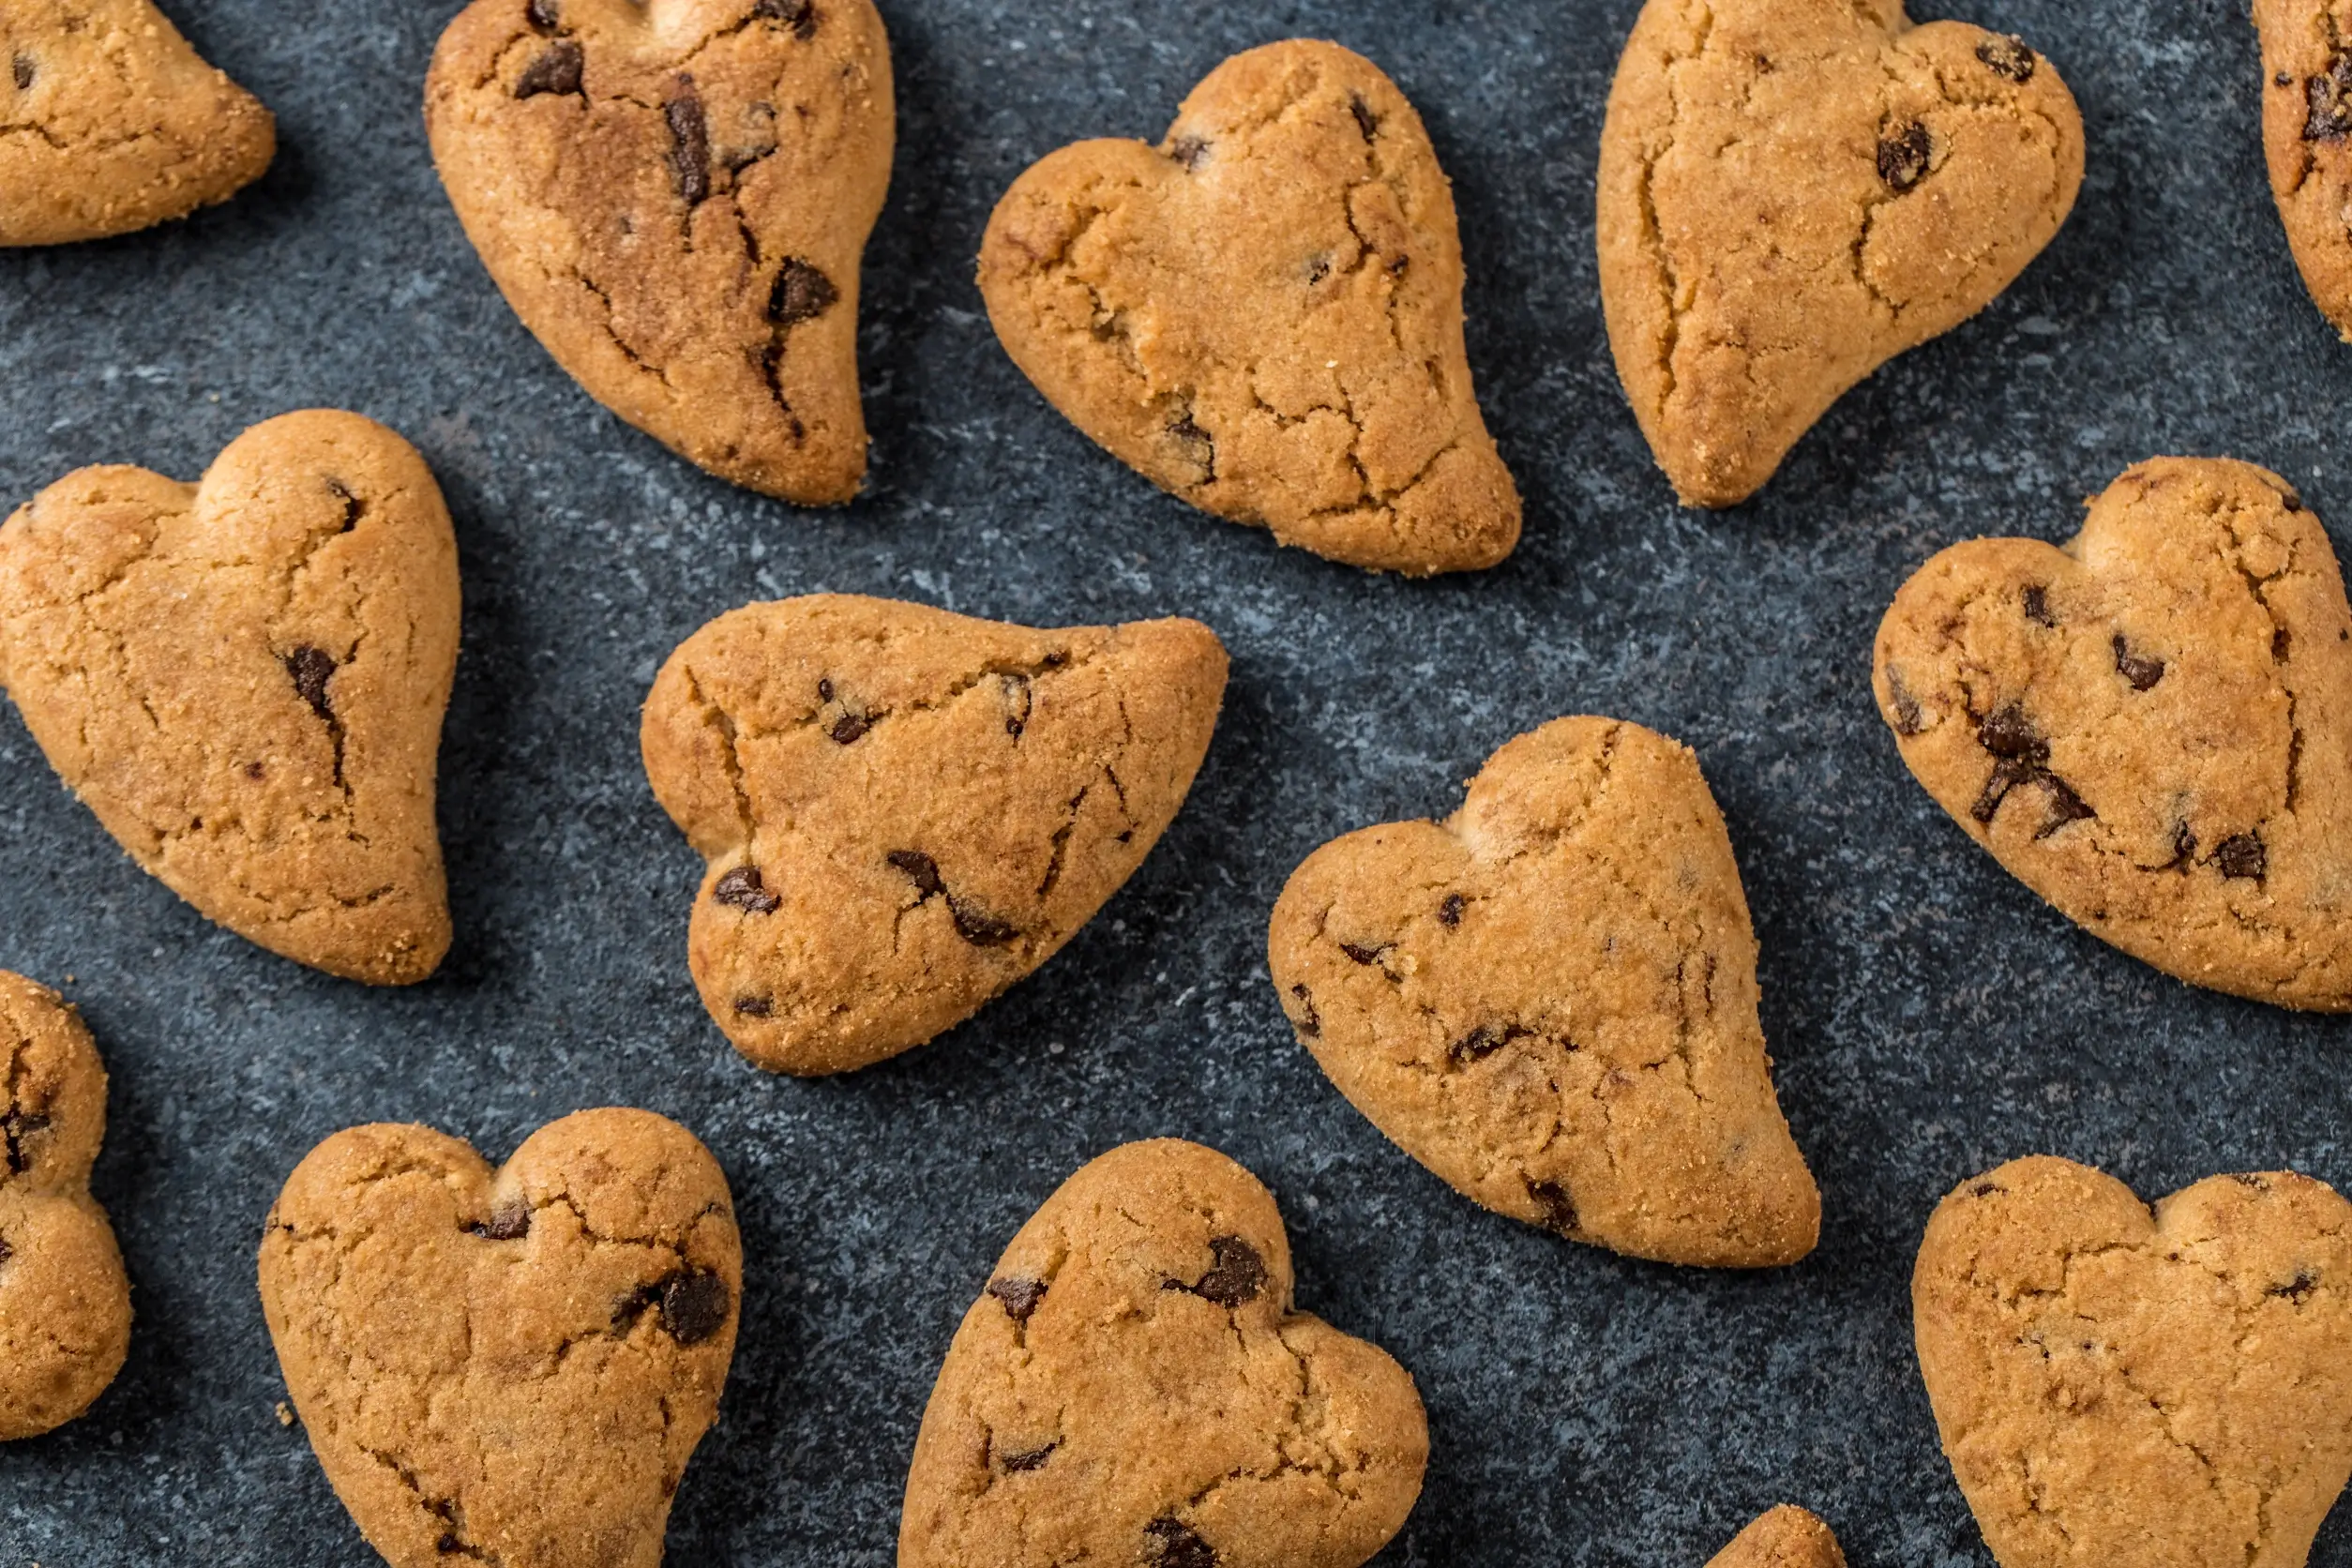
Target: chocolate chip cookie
[[1788, 1537], [2151, 727], [2307, 139], [1792, 192], [1549, 998], [674, 197], [1133, 1387], [1263, 314], [905, 811]]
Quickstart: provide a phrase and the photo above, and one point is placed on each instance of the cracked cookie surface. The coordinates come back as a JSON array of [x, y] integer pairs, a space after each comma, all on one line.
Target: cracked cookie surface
[[2151, 727], [1263, 314], [245, 678], [906, 811], [2307, 140], [1788, 1537], [111, 122], [1549, 1000], [65, 1301], [2119, 1388], [1134, 1388], [508, 1367], [1792, 192], [674, 198]]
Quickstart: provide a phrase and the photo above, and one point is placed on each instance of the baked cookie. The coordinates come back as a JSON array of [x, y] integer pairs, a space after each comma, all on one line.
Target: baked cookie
[[1788, 1537], [905, 811], [1133, 1387], [2307, 137], [110, 122], [1263, 314], [1904, 175], [2152, 727], [245, 679], [674, 196], [509, 1366], [1549, 998], [2122, 1389], [64, 1304]]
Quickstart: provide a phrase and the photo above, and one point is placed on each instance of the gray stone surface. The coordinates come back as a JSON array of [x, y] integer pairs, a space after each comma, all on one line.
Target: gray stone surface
[[1930, 1016]]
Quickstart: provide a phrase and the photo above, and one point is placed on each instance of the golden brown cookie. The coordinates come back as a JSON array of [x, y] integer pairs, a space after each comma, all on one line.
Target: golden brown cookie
[[1133, 1387], [1788, 1537], [1792, 192], [65, 1303], [510, 1365], [674, 196], [110, 122], [2152, 727], [2122, 1389], [1263, 315], [905, 811], [245, 680], [2307, 136], [1549, 998]]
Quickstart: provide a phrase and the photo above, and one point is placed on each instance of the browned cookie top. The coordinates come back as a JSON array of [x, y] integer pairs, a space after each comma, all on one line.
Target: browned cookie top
[[1133, 1387], [245, 680], [674, 198], [1264, 313], [1794, 191], [2307, 137], [1787, 1537], [110, 122], [904, 810], [2152, 727]]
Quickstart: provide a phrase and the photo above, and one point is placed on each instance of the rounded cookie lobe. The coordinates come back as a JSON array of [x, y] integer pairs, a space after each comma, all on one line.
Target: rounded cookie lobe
[[904, 810], [2152, 726], [2307, 143], [511, 1364], [1133, 1387], [1787, 1537], [117, 123], [1263, 315], [245, 679], [675, 197], [65, 1301], [1550, 1000], [2122, 1387], [1906, 174]]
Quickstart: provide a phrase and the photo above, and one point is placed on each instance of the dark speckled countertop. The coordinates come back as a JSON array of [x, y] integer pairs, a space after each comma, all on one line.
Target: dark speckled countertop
[[1929, 1016]]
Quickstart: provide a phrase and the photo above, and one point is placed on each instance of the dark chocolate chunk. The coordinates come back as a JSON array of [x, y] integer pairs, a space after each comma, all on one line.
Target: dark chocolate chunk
[[22, 66], [2281, 640], [14, 1130], [2184, 848], [1311, 1022], [743, 888], [1364, 955], [2142, 673], [1190, 151], [1236, 1276], [755, 1006], [850, 728], [1199, 446], [2284, 79], [5, 1251], [2037, 599], [979, 927], [1909, 719], [2251, 1179], [256, 771], [689, 141], [2297, 1288], [2327, 101], [1985, 1189], [2007, 56], [1450, 911], [556, 71], [825, 688], [508, 1222], [312, 668], [1318, 268], [694, 1305], [2065, 804], [1367, 121], [2243, 857], [1169, 1542], [2289, 497], [1020, 1296], [2010, 734], [799, 15], [919, 868], [801, 293], [1030, 1459], [545, 16], [1902, 156], [1560, 1209], [1484, 1041]]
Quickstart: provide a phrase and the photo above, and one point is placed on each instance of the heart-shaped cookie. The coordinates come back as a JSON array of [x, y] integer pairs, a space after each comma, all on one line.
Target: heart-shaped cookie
[[245, 680], [2122, 1389], [2307, 138], [1788, 1537], [2152, 727], [1792, 192], [513, 1365], [1133, 1387], [1549, 998], [905, 811], [113, 123], [64, 1304], [1263, 315], [674, 196]]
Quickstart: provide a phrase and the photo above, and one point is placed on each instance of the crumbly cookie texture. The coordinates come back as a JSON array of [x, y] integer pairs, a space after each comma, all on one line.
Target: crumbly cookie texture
[[1549, 998], [1792, 192], [905, 811], [1133, 1387], [674, 196], [245, 680], [509, 1366], [2125, 1389], [1788, 1537], [1263, 314], [2307, 138], [65, 1303], [2151, 727], [110, 122]]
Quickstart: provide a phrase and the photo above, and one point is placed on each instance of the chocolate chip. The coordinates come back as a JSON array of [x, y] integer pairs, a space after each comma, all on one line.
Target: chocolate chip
[[556, 71], [1560, 1209], [2065, 806], [1318, 268], [689, 141], [2281, 640], [2142, 673], [1985, 1189], [1311, 1024], [23, 65], [1030, 1459], [1236, 1276], [850, 728], [1020, 1296], [1200, 447], [448, 1542], [825, 688], [312, 668], [545, 16], [2007, 773], [1367, 121], [1169, 1542], [919, 868], [1190, 151], [1903, 154], [6, 1252], [741, 888], [2037, 599], [508, 1222], [14, 1130], [1450, 911], [2284, 79], [2184, 848], [694, 1305], [1908, 719], [2241, 857], [2327, 99], [1364, 955], [2007, 56], [755, 1006], [256, 771], [1484, 1041], [2249, 1179], [2289, 497], [799, 15], [801, 294], [1020, 700], [2297, 1288], [974, 925], [2010, 734]]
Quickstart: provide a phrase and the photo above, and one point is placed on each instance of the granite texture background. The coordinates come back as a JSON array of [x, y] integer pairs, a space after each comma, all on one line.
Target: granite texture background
[[1929, 1015]]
